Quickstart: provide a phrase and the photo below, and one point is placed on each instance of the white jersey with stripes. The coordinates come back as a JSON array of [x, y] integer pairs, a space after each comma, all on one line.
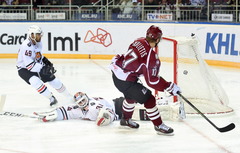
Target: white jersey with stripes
[[89, 113], [30, 56]]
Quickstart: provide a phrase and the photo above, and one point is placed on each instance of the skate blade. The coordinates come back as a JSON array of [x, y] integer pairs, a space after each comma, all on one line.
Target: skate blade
[[127, 127], [166, 134]]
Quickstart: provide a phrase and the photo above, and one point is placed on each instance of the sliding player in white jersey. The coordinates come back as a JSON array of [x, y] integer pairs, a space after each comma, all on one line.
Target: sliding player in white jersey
[[87, 108], [36, 69]]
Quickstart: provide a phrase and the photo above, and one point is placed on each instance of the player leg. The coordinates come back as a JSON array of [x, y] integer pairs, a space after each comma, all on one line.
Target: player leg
[[128, 109], [154, 115], [42, 89], [47, 75], [137, 92], [32, 79], [56, 84], [128, 104], [59, 86], [144, 96]]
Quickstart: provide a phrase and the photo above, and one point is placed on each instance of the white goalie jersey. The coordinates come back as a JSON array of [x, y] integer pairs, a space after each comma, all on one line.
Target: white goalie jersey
[[91, 112]]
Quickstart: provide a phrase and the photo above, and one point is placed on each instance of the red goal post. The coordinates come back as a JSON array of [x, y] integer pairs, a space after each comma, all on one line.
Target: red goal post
[[174, 48]]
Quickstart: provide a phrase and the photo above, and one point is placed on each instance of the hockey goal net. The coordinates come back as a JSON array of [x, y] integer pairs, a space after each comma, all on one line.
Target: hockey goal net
[[183, 64]]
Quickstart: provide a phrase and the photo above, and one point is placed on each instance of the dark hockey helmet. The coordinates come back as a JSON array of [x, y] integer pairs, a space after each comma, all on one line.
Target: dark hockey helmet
[[154, 32], [81, 99]]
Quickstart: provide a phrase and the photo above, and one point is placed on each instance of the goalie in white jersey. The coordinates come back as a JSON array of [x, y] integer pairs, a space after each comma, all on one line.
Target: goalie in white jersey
[[87, 108], [36, 69]]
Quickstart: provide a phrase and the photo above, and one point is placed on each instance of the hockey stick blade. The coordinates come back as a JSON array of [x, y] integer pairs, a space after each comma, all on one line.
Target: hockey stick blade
[[224, 129], [227, 128]]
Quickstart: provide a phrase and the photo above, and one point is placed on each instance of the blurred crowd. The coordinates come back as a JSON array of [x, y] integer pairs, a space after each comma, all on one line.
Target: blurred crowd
[[190, 9], [122, 3]]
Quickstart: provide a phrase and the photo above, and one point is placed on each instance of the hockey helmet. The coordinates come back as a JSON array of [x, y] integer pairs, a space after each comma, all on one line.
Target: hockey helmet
[[35, 30], [81, 99], [154, 32]]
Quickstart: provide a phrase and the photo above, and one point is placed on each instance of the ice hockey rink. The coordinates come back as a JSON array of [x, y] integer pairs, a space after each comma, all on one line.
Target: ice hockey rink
[[28, 135]]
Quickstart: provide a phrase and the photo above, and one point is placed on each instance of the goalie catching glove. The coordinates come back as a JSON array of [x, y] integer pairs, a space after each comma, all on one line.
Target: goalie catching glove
[[173, 89], [104, 117]]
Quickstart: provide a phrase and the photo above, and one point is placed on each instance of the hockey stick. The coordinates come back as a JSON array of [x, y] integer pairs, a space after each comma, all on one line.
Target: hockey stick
[[13, 114], [223, 129]]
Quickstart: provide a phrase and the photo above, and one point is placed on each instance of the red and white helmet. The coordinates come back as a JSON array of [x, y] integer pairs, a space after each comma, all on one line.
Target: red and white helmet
[[81, 99], [154, 32]]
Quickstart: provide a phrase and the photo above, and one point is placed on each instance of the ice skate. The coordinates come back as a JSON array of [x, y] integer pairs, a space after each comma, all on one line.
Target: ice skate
[[53, 101], [164, 129], [129, 123]]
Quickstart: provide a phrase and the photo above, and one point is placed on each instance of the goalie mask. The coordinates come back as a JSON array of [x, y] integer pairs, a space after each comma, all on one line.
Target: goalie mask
[[81, 99]]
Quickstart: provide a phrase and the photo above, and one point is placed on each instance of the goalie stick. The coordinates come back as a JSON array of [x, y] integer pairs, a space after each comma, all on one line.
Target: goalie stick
[[223, 129], [13, 114]]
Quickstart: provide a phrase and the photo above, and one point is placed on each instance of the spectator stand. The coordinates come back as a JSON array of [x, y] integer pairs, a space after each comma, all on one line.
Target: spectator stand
[[15, 10], [142, 10], [94, 10], [127, 10]]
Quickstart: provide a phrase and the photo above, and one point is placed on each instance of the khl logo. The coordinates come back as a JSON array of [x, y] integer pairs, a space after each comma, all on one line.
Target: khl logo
[[219, 43]]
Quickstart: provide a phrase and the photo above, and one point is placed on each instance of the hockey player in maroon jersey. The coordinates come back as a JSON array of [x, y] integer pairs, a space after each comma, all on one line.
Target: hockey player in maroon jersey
[[141, 60], [35, 69]]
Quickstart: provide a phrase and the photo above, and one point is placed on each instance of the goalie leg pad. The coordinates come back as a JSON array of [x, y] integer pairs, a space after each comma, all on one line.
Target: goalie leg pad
[[143, 115], [118, 102]]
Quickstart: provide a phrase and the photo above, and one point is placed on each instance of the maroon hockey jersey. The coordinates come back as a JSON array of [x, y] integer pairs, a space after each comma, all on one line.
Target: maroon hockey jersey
[[139, 60]]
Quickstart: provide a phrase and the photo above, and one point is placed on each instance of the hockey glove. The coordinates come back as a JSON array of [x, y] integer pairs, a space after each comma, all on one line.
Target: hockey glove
[[46, 61], [47, 116], [173, 89], [104, 117], [48, 70]]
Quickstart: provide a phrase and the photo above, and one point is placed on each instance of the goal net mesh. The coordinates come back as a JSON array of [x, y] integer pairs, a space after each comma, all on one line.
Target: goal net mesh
[[182, 63]]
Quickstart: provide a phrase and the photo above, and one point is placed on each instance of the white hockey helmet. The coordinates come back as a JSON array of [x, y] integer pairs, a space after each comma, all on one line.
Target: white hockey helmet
[[81, 99], [35, 30]]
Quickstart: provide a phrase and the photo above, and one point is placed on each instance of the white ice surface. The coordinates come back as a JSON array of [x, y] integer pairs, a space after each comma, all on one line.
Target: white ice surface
[[27, 135]]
